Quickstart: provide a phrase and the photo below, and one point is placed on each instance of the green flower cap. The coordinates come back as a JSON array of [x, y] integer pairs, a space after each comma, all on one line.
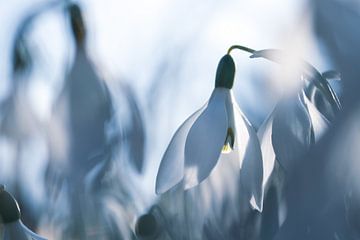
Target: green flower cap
[[225, 72]]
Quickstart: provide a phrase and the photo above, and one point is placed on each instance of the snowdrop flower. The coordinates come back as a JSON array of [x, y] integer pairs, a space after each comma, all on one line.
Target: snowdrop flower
[[295, 124], [11, 227], [300, 120], [216, 130]]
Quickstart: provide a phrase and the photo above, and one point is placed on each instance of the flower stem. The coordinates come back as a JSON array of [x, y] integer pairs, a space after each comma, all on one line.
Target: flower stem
[[226, 68], [77, 24], [246, 49]]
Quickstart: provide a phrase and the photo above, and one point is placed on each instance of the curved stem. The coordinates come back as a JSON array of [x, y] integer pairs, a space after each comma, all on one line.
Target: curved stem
[[225, 72], [308, 70], [246, 49], [319, 82]]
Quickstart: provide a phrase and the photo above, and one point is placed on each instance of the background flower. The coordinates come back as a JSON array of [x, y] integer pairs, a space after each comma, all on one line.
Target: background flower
[[163, 55]]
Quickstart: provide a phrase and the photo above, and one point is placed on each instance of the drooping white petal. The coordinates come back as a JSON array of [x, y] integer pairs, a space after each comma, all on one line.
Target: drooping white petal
[[171, 169], [328, 109], [268, 155], [206, 139], [291, 132], [248, 149], [18, 231], [251, 173], [319, 123]]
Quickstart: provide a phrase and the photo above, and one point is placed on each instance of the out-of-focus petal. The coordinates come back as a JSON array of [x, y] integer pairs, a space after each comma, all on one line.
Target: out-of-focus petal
[[206, 139], [31, 234], [308, 71], [136, 132], [291, 132], [328, 109], [331, 75], [319, 123], [171, 169], [251, 172], [18, 231], [268, 155], [248, 148]]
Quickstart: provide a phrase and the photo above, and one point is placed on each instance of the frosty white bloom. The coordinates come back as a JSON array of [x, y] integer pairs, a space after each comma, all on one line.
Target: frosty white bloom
[[298, 121], [11, 227], [217, 129]]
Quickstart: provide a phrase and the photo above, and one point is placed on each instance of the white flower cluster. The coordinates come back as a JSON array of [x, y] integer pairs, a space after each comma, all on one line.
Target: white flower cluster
[[219, 135]]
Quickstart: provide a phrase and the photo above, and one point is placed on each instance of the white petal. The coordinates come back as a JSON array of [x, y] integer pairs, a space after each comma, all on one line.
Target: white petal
[[206, 139], [171, 169], [249, 152], [236, 121], [268, 155], [292, 131], [319, 123], [240, 132]]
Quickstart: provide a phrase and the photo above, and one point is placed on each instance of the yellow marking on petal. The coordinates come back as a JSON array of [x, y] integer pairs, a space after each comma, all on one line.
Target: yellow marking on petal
[[229, 141], [226, 148]]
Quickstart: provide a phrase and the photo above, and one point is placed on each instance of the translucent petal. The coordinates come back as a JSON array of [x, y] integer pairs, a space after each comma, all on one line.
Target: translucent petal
[[268, 155], [249, 152], [236, 122], [329, 98], [319, 123], [171, 169], [206, 139], [292, 131], [323, 105]]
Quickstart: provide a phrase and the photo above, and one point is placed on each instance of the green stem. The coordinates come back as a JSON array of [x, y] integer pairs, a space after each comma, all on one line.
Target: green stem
[[226, 68], [246, 49]]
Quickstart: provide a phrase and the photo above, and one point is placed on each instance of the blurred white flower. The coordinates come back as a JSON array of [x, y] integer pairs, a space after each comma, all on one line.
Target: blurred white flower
[[82, 174], [300, 120], [218, 129], [297, 122]]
